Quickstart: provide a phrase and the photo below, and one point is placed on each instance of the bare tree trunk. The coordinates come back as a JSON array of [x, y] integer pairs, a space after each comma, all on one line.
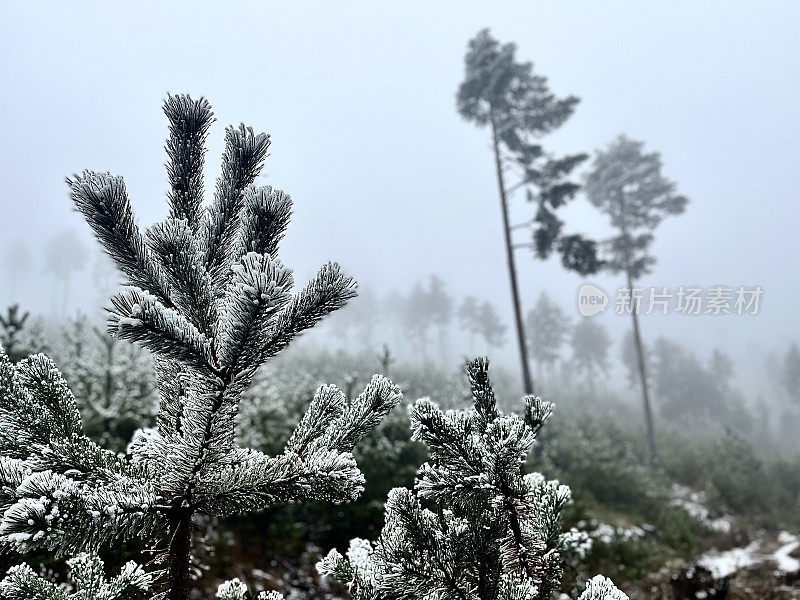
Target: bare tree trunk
[[648, 412], [443, 346], [108, 387], [512, 270], [180, 547]]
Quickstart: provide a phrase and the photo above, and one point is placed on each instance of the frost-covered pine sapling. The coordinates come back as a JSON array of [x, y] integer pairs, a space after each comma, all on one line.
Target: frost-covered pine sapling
[[475, 527], [209, 297], [112, 381], [87, 574]]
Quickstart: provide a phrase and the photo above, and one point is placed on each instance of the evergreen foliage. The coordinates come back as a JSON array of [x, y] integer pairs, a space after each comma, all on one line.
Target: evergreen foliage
[[519, 108], [475, 526], [626, 183], [209, 298], [11, 326], [87, 573], [518, 105], [692, 394]]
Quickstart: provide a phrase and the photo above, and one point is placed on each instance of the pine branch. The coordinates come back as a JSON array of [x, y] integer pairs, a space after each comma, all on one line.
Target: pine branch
[[481, 387], [258, 289], [327, 292], [55, 512], [173, 243], [242, 161], [264, 219], [189, 121], [326, 407], [252, 481], [139, 317], [40, 423], [87, 571], [362, 416], [103, 201], [602, 588], [22, 583]]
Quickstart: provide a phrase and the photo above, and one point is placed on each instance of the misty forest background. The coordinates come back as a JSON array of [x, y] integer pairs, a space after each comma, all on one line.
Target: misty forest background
[[426, 245]]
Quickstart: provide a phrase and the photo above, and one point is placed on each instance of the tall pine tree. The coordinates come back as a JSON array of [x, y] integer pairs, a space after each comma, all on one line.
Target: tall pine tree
[[626, 183], [518, 107]]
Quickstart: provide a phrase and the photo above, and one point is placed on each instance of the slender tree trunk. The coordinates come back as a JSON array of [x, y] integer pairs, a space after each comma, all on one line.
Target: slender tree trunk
[[180, 547], [648, 412], [108, 387], [443, 346], [512, 270]]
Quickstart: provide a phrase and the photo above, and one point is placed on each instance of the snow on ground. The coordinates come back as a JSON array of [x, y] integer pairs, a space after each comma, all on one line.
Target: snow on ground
[[694, 503], [785, 562], [723, 564]]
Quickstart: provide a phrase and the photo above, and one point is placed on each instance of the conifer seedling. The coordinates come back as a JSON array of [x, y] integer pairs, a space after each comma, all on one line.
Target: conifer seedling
[[208, 296]]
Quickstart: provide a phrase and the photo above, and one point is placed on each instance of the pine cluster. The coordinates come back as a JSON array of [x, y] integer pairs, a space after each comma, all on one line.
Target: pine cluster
[[475, 527]]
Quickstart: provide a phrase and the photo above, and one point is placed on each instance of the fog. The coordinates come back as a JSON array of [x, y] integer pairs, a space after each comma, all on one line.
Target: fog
[[386, 178]]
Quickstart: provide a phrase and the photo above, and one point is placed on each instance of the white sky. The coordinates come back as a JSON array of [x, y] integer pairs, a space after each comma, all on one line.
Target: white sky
[[386, 179]]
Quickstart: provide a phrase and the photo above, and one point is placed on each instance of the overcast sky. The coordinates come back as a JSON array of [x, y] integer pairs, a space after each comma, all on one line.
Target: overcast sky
[[386, 178]]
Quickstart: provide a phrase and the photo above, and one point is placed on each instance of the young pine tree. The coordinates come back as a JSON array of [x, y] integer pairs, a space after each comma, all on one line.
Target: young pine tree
[[11, 326], [475, 527], [113, 382], [209, 297]]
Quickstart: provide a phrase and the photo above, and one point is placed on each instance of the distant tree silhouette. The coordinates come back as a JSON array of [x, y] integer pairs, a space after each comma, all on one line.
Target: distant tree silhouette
[[386, 360], [590, 343], [65, 255], [416, 320], [492, 329], [481, 319], [440, 307], [689, 392], [547, 328], [469, 318], [720, 365], [626, 184]]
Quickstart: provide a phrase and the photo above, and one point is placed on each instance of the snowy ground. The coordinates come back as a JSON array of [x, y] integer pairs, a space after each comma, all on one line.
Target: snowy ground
[[725, 564]]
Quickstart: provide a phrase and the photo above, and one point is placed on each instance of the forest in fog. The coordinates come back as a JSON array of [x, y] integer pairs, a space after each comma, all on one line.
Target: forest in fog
[[376, 310]]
